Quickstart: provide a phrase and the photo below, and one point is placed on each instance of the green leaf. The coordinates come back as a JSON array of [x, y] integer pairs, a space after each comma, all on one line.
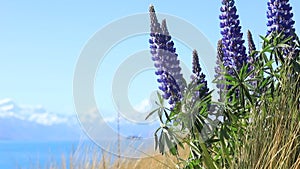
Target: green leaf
[[267, 49], [167, 116], [287, 39], [162, 142], [229, 77], [172, 147], [160, 113], [156, 139], [178, 141], [266, 39], [151, 113], [210, 141], [160, 98], [283, 45], [247, 93]]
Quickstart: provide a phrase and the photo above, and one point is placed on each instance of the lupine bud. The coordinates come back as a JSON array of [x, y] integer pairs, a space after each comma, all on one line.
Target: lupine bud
[[219, 69], [252, 59], [251, 45], [251, 48]]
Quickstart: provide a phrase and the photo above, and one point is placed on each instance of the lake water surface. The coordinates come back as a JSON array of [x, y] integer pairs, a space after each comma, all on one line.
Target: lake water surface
[[28, 155]]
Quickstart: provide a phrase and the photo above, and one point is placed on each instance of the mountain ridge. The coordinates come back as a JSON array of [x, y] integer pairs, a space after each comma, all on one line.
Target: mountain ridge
[[19, 122]]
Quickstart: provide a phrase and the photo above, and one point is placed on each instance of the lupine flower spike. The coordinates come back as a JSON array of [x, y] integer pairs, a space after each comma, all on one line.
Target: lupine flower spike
[[198, 78], [280, 18], [171, 58], [234, 51], [165, 60]]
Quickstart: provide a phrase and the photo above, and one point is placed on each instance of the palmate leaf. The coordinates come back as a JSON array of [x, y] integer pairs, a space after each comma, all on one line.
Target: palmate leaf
[[202, 151], [171, 146], [159, 110], [241, 83], [167, 141], [267, 38]]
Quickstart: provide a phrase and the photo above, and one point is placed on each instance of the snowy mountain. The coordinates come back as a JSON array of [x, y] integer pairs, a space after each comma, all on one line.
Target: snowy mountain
[[23, 122]]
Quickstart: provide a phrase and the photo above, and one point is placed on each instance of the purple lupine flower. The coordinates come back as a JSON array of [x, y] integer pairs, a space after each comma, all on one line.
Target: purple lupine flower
[[171, 61], [234, 51], [154, 34], [280, 18], [170, 88], [198, 78], [165, 60]]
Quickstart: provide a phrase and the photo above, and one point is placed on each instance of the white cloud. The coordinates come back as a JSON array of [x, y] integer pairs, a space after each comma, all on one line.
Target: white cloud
[[143, 106], [110, 119]]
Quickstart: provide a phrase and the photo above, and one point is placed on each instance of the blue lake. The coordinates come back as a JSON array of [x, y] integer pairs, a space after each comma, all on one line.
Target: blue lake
[[38, 154], [28, 155]]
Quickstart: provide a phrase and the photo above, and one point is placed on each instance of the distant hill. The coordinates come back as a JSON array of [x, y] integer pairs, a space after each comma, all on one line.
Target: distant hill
[[19, 122], [35, 123]]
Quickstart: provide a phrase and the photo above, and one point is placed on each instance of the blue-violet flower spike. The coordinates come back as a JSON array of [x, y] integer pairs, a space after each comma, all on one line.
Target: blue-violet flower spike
[[280, 18], [165, 60], [234, 51]]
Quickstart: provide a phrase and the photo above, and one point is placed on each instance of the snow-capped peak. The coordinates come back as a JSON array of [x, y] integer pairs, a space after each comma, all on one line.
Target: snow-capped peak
[[6, 101], [7, 105], [36, 114]]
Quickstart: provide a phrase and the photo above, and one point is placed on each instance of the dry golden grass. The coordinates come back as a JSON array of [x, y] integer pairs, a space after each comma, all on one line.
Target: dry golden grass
[[273, 140], [93, 158]]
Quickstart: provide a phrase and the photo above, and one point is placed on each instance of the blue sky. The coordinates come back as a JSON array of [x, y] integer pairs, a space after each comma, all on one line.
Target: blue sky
[[42, 40]]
